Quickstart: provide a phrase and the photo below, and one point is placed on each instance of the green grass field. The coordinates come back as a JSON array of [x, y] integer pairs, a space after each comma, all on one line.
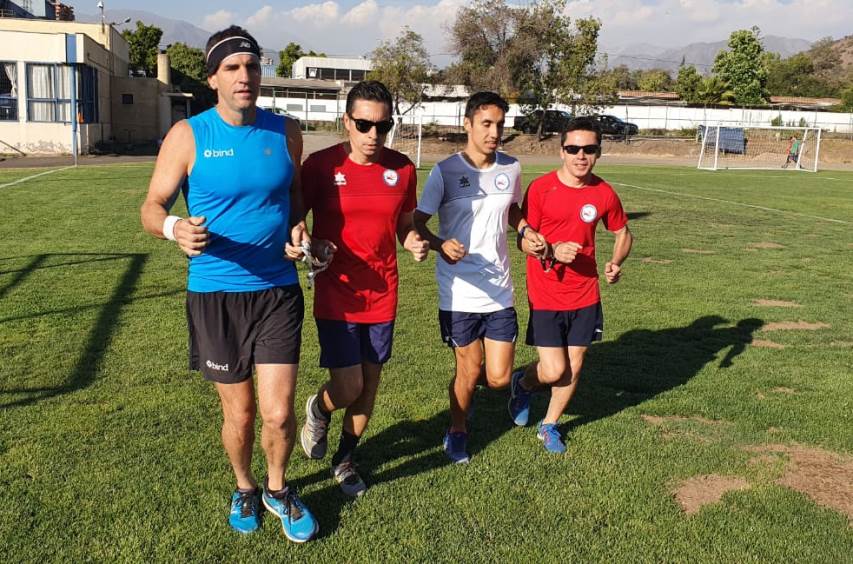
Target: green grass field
[[109, 447]]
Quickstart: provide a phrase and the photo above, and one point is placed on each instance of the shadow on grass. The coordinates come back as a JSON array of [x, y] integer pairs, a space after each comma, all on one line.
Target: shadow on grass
[[641, 364], [404, 449], [633, 216], [617, 375], [97, 342]]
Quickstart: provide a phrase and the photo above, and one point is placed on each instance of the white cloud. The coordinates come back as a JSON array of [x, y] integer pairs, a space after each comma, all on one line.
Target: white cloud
[[261, 18], [318, 14], [361, 14], [218, 20]]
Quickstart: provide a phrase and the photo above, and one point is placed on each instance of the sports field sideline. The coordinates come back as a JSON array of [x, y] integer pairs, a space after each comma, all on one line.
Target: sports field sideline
[[714, 423]]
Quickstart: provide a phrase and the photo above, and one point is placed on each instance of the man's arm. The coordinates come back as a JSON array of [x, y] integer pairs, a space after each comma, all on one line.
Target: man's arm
[[450, 250], [410, 237], [529, 240], [174, 163], [621, 250], [298, 230]]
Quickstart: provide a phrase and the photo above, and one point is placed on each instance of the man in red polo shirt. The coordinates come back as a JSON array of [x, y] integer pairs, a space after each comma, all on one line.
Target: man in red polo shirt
[[565, 206], [363, 196]]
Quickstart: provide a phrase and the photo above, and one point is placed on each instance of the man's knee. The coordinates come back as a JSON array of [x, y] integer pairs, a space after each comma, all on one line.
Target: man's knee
[[240, 420], [498, 379], [278, 417], [347, 390], [552, 372]]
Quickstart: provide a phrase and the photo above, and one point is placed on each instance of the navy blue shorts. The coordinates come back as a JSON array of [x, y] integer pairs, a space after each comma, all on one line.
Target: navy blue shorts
[[459, 329], [572, 328], [347, 344]]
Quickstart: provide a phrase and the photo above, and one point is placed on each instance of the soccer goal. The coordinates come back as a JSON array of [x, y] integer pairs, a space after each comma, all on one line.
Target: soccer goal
[[405, 137], [755, 147]]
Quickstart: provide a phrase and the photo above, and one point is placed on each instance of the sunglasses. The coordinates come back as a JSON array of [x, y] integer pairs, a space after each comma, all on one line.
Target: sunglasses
[[365, 125], [587, 149]]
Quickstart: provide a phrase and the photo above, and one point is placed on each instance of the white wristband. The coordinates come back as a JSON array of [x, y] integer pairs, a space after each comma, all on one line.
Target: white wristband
[[169, 227]]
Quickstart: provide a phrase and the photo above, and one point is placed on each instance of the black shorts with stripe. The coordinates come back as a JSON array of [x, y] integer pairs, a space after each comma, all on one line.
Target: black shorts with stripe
[[230, 332]]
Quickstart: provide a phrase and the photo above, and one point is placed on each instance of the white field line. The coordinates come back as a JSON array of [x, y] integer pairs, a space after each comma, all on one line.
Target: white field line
[[763, 208], [20, 180]]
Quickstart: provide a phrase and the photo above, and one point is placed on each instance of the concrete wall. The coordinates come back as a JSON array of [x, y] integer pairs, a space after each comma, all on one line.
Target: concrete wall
[[137, 122]]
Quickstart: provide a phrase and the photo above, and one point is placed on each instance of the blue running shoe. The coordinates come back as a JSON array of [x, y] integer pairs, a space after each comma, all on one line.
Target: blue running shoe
[[550, 436], [519, 400], [245, 514], [297, 522], [455, 446]]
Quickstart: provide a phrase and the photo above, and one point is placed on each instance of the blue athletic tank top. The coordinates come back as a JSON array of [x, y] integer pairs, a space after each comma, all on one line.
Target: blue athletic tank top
[[241, 183]]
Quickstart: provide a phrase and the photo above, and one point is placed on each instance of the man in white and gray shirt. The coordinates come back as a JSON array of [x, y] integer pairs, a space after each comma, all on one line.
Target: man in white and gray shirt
[[476, 194]]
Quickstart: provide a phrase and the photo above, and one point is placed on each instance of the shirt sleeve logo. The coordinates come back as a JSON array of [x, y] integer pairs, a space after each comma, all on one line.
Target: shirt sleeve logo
[[464, 182], [589, 213], [340, 179], [390, 177], [502, 181]]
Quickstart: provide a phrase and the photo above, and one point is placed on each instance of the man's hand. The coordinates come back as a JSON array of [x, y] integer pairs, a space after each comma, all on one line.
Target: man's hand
[[293, 248], [417, 245], [535, 242], [323, 250], [452, 251], [566, 251], [191, 235], [612, 272]]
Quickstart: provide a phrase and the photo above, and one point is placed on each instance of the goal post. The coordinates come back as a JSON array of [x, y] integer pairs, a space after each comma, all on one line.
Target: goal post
[[406, 136], [759, 147]]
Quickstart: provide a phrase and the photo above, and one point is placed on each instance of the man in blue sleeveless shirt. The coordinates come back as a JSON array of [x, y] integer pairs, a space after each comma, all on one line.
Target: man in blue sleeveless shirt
[[239, 166]]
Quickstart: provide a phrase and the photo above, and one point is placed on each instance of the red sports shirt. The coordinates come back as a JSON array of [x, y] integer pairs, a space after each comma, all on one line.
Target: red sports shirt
[[357, 207], [562, 213]]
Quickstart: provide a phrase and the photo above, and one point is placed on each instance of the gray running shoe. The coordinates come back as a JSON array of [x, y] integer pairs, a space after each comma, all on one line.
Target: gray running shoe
[[347, 476], [314, 433]]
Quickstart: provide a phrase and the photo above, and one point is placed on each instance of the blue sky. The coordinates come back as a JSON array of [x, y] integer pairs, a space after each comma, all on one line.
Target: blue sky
[[355, 27]]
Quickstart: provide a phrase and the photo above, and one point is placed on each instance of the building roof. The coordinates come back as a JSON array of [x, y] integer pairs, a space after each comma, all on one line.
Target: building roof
[[803, 102], [335, 85]]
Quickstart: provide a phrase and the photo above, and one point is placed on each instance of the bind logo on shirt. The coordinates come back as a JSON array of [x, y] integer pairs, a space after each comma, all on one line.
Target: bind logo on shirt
[[217, 154], [390, 177], [589, 213], [213, 366]]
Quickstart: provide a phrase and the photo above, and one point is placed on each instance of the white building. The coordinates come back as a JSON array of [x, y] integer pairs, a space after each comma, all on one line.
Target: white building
[[331, 68]]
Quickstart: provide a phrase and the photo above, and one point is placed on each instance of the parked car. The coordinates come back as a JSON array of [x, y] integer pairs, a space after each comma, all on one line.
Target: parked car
[[555, 121], [612, 125], [281, 112]]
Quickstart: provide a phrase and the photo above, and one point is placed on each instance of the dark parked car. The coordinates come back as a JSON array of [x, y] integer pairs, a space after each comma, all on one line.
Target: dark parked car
[[555, 121], [612, 125]]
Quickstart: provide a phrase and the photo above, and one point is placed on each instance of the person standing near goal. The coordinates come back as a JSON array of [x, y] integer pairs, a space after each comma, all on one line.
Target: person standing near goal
[[362, 195], [475, 193], [565, 205], [793, 151], [244, 303]]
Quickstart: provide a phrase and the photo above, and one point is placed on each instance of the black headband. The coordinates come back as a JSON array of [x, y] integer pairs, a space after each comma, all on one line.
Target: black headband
[[230, 46]]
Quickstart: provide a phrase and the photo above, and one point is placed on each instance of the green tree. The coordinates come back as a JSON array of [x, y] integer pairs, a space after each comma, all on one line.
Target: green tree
[[189, 74], [581, 84], [292, 53], [847, 99], [655, 80], [622, 78], [688, 83], [794, 76], [403, 65], [143, 43], [713, 90], [742, 67]]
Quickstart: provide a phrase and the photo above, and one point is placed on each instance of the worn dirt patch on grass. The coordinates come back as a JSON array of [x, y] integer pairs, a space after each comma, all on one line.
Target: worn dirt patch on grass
[[699, 251], [650, 260], [765, 245], [765, 344], [825, 476], [694, 493], [794, 325], [784, 390], [774, 303]]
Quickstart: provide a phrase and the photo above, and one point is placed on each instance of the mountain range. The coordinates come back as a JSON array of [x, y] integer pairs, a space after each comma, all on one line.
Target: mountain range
[[634, 56]]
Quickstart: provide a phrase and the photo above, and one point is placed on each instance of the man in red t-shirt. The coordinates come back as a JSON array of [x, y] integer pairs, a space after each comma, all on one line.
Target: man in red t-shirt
[[565, 206], [363, 196]]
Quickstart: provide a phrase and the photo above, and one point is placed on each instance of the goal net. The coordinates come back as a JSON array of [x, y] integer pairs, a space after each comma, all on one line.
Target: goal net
[[751, 147], [405, 136]]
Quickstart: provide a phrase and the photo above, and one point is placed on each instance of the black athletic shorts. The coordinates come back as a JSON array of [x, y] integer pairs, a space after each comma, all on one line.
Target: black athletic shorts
[[571, 328], [230, 332]]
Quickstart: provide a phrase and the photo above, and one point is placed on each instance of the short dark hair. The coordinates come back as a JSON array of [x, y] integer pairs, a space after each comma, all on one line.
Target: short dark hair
[[481, 99], [231, 31], [581, 124], [371, 90]]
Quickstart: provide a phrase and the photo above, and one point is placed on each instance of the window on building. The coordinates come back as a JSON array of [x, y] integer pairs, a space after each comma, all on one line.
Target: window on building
[[127, 99], [357, 75], [295, 108], [49, 93], [8, 91]]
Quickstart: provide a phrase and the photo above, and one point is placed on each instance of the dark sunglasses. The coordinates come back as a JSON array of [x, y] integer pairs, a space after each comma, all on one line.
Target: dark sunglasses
[[587, 149], [365, 125]]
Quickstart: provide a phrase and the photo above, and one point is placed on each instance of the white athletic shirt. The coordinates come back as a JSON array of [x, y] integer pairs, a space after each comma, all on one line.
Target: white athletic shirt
[[473, 208]]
